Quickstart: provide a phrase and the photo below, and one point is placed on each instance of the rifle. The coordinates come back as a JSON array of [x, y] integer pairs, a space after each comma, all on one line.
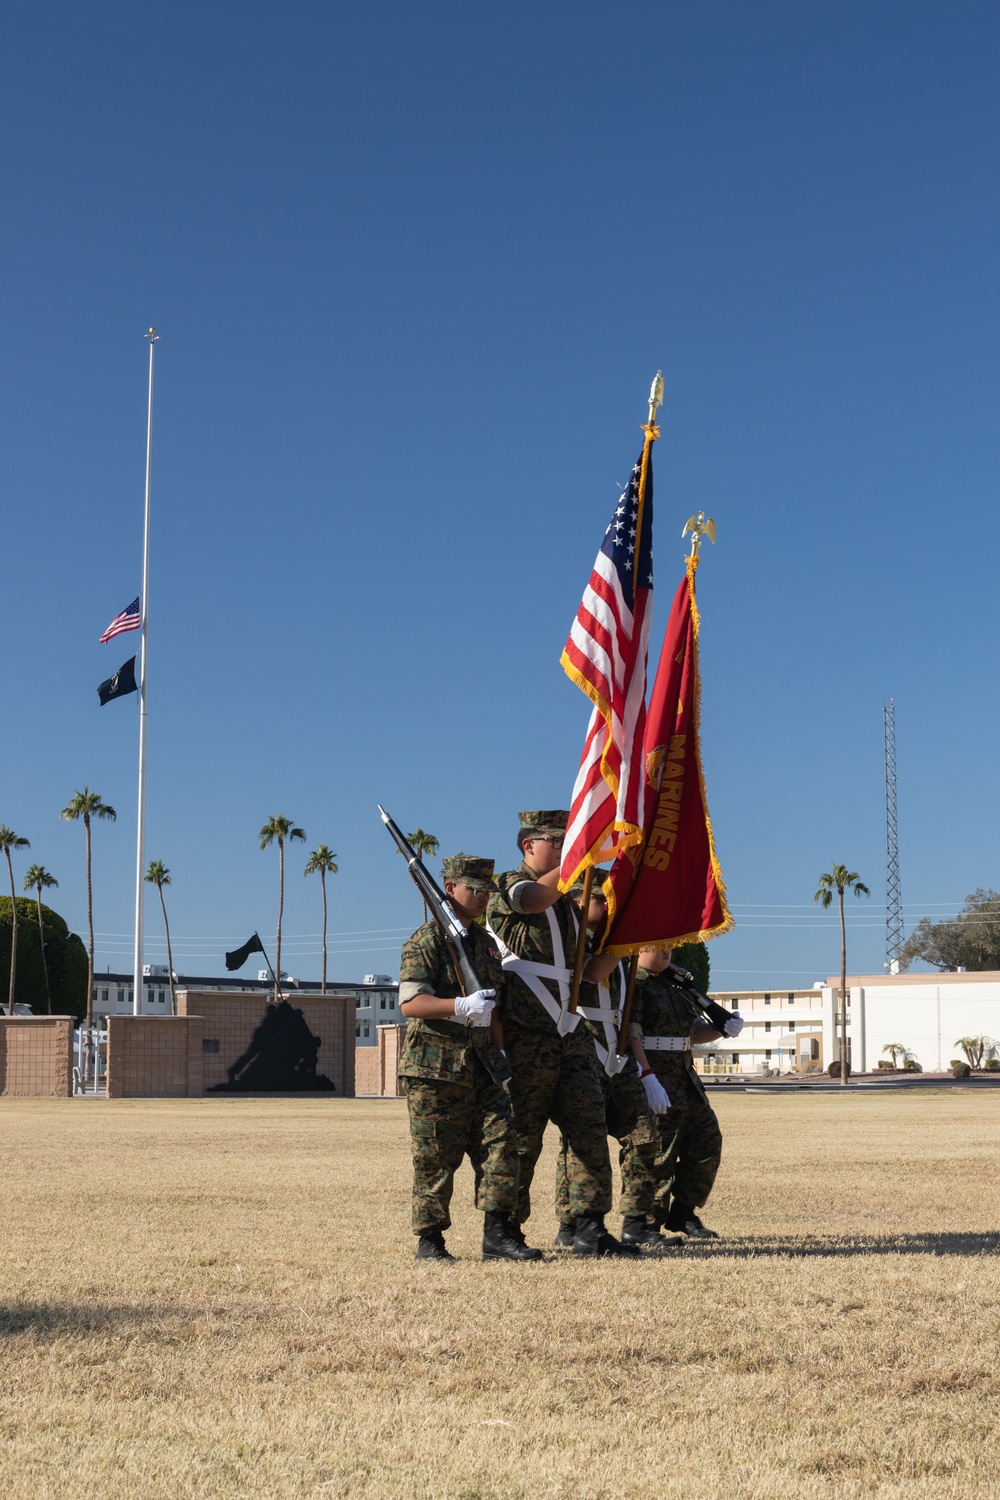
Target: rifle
[[713, 1013], [455, 933]]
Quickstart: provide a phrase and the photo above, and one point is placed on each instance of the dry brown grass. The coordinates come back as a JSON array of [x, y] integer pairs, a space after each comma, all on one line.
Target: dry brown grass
[[217, 1298]]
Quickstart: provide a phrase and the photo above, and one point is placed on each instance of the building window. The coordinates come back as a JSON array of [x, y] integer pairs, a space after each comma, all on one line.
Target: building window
[[357, 1028], [381, 1002], [767, 999], [121, 996], [104, 997], [791, 1025], [357, 1002], [767, 1025], [735, 1004], [767, 1054], [366, 1029], [791, 999]]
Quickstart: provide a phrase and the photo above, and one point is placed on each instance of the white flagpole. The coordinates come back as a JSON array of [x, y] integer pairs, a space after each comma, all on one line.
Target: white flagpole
[[140, 840]]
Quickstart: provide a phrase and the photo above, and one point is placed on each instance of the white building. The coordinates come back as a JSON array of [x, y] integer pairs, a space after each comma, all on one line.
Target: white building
[[925, 1013]]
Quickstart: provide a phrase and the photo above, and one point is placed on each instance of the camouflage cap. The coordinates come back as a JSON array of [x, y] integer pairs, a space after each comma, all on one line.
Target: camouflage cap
[[545, 824], [470, 869]]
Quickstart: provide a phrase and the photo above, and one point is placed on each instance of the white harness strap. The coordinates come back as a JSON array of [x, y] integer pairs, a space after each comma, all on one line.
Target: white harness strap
[[533, 973], [607, 1017]]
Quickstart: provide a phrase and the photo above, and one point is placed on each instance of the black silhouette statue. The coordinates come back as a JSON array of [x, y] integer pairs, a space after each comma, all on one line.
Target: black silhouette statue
[[281, 1058]]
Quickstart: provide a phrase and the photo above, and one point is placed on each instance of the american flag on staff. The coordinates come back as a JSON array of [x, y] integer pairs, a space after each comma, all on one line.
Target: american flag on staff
[[129, 619], [606, 657]]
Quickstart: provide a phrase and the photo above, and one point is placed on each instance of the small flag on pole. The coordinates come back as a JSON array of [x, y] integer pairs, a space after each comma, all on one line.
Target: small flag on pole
[[129, 619], [239, 956], [605, 656], [120, 685]]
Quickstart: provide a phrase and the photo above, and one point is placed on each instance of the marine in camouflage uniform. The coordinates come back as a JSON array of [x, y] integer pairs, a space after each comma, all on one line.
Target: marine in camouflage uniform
[[555, 1076], [453, 1076], [689, 1145]]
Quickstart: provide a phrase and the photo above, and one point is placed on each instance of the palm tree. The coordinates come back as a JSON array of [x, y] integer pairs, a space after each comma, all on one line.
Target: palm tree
[[37, 879], [9, 840], [423, 843], [896, 1049], [841, 879], [278, 829], [975, 1048], [159, 875], [322, 861], [88, 805]]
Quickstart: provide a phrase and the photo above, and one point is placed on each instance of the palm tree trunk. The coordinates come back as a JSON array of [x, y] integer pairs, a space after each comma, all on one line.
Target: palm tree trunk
[[45, 964], [90, 928], [13, 934], [281, 908], [322, 880], [170, 957], [843, 992]]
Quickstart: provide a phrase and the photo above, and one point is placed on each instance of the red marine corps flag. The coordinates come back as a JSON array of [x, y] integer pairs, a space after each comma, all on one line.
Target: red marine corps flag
[[668, 889]]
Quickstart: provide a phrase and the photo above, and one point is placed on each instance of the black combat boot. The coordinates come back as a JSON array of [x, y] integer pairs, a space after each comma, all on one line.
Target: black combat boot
[[635, 1231], [431, 1247], [683, 1217], [503, 1240], [567, 1233], [592, 1238]]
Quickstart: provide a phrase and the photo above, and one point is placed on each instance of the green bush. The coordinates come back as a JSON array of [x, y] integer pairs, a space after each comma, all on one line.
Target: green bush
[[65, 955], [992, 1065], [834, 1069], [694, 958], [886, 1065], [960, 1070], [912, 1066]]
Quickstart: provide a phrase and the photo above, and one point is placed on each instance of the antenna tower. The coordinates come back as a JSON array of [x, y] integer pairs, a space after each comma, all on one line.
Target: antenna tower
[[893, 893]]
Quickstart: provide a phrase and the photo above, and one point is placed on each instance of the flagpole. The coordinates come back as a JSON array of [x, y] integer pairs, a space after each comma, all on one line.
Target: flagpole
[[140, 838]]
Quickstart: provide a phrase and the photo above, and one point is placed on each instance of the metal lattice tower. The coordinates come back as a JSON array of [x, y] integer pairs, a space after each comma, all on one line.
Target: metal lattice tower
[[893, 892]]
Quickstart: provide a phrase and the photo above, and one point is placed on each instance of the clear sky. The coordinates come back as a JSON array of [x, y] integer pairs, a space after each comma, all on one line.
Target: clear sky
[[413, 269]]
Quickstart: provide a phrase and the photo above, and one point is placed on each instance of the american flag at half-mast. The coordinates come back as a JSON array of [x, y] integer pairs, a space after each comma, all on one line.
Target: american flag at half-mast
[[129, 619], [606, 657]]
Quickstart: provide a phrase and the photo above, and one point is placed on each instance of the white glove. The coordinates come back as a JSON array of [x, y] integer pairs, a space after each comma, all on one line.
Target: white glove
[[477, 1007], [656, 1095], [734, 1025]]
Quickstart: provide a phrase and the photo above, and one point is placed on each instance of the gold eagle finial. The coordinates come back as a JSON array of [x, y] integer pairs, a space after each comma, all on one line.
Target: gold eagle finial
[[699, 525]]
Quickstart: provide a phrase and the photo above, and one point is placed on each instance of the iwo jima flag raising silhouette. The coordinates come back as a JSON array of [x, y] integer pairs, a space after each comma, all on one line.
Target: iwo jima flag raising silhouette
[[282, 1054]]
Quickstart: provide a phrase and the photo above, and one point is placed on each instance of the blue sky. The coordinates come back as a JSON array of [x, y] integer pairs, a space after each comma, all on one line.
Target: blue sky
[[413, 271]]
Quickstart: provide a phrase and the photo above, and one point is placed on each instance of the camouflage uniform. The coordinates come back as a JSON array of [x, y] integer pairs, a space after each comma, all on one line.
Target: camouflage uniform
[[689, 1139], [450, 1074], [555, 1077], [630, 1121]]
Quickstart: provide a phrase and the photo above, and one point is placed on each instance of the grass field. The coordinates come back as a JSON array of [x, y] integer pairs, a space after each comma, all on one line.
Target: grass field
[[217, 1298]]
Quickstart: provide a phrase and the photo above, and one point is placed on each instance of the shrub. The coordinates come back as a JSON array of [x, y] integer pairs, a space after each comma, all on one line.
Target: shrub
[[834, 1069], [960, 1070], [992, 1065], [912, 1066], [694, 958], [65, 954], [885, 1065]]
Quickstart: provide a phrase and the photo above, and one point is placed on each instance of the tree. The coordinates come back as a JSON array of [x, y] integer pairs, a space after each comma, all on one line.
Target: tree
[[694, 958], [896, 1049], [423, 843], [971, 940], [159, 875], [322, 861], [976, 1048], [10, 840], [276, 830], [65, 960], [88, 805], [38, 879], [841, 879]]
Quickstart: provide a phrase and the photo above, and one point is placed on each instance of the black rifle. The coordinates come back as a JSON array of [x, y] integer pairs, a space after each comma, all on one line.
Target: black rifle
[[457, 941], [713, 1013]]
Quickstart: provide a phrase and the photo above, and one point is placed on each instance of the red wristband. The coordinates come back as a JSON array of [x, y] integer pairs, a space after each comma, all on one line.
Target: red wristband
[[646, 1074]]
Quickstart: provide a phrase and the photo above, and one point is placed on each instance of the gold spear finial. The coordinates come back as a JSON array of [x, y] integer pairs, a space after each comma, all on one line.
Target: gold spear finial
[[655, 395]]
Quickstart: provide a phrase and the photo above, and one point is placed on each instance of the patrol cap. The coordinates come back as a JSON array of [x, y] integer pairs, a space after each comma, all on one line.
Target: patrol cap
[[543, 824], [470, 869]]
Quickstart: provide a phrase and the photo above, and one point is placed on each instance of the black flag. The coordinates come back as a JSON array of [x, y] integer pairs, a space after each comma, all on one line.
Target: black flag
[[239, 956], [121, 683]]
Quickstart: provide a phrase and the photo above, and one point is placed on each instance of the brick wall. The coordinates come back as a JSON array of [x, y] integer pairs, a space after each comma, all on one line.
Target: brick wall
[[154, 1057], [36, 1056], [231, 1019], [375, 1067]]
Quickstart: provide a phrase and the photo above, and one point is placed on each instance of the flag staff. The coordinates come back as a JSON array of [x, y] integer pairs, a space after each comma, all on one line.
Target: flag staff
[[140, 838]]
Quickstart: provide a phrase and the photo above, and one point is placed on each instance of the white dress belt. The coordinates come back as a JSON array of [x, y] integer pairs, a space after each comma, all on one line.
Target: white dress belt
[[666, 1044]]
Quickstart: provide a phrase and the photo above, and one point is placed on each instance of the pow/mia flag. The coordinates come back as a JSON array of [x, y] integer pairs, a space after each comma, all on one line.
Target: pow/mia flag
[[120, 684], [239, 956]]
